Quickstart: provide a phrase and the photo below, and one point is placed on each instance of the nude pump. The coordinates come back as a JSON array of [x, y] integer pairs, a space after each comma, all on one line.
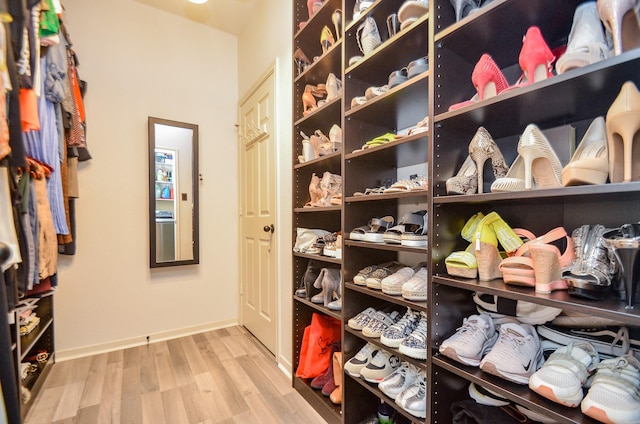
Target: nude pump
[[623, 125], [619, 19], [590, 162]]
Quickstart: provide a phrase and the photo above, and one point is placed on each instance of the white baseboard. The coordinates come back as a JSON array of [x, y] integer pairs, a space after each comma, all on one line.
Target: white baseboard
[[285, 368], [68, 354]]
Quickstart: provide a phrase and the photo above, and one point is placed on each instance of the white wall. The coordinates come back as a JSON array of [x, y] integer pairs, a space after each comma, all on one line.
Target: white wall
[[139, 62], [267, 39]]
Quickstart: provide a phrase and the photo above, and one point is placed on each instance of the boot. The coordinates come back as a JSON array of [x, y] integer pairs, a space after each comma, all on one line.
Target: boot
[[330, 284], [310, 276], [326, 381], [336, 394]]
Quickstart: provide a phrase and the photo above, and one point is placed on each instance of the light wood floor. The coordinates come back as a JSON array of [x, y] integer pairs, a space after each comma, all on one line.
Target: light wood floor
[[223, 376]]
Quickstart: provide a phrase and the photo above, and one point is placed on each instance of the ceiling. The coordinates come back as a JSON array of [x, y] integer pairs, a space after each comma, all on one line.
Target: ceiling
[[226, 15]]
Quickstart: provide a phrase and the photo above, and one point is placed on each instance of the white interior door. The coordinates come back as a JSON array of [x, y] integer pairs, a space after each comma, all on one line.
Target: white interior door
[[258, 294]]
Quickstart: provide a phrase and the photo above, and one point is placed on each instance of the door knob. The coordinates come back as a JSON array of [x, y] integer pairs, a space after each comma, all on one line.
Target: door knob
[[269, 228]]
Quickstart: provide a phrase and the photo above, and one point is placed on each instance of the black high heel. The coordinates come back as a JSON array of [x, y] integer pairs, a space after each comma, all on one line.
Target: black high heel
[[625, 244]]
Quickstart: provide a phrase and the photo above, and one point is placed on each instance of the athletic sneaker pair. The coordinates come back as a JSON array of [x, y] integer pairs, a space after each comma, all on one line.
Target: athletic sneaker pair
[[372, 364], [407, 386], [514, 351], [614, 392]]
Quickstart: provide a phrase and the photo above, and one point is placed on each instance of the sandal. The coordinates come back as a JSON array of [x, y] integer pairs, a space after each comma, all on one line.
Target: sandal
[[374, 231], [408, 223], [590, 275], [417, 238], [382, 139], [463, 263], [413, 184]]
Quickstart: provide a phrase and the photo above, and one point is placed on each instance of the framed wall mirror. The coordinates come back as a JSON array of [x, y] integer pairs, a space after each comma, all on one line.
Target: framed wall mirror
[[173, 193]]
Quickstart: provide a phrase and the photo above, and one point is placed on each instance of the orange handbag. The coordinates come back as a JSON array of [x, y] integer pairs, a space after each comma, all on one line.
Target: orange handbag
[[315, 351]]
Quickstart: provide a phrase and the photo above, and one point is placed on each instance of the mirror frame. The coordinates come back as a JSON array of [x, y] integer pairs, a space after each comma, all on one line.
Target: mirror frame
[[153, 262]]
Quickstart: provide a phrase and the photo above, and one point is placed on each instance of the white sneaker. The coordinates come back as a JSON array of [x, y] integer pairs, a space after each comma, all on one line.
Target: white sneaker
[[516, 355], [614, 396], [382, 365], [393, 284], [484, 396], [471, 341], [415, 344], [414, 399], [395, 334], [397, 382], [360, 360], [379, 322], [562, 376], [416, 287]]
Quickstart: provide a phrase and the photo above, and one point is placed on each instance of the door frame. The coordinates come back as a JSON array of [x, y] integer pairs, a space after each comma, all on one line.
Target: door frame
[[272, 69]]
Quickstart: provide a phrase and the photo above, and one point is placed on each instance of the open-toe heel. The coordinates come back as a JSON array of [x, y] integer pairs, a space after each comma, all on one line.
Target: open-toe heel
[[481, 148], [540, 160], [623, 124], [625, 244], [548, 262], [590, 274]]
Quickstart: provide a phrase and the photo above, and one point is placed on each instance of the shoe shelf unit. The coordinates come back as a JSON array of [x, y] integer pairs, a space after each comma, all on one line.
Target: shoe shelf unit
[[307, 39], [393, 111], [573, 99], [35, 347]]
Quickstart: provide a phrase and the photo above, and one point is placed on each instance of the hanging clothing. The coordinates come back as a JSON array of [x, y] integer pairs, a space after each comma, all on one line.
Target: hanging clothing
[[8, 233], [44, 145]]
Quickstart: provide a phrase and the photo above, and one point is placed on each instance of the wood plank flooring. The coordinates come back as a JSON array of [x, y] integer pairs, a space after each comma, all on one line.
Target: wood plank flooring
[[224, 376]]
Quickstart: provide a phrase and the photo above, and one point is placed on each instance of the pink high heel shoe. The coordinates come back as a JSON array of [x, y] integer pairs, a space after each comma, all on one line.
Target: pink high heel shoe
[[623, 123], [620, 20], [535, 58], [488, 80]]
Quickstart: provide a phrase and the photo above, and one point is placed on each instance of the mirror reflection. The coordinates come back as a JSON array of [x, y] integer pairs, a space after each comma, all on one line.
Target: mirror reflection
[[173, 193]]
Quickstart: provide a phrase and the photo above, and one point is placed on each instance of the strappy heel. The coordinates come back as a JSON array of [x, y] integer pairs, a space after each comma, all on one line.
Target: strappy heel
[[548, 262], [482, 148], [590, 274], [625, 244], [309, 103], [623, 124]]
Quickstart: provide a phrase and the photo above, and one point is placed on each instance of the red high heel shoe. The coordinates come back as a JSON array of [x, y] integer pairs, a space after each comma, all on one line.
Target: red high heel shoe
[[535, 57], [488, 80]]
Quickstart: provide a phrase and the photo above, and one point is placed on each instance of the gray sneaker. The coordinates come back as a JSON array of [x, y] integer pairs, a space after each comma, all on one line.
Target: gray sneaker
[[395, 334], [415, 344]]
